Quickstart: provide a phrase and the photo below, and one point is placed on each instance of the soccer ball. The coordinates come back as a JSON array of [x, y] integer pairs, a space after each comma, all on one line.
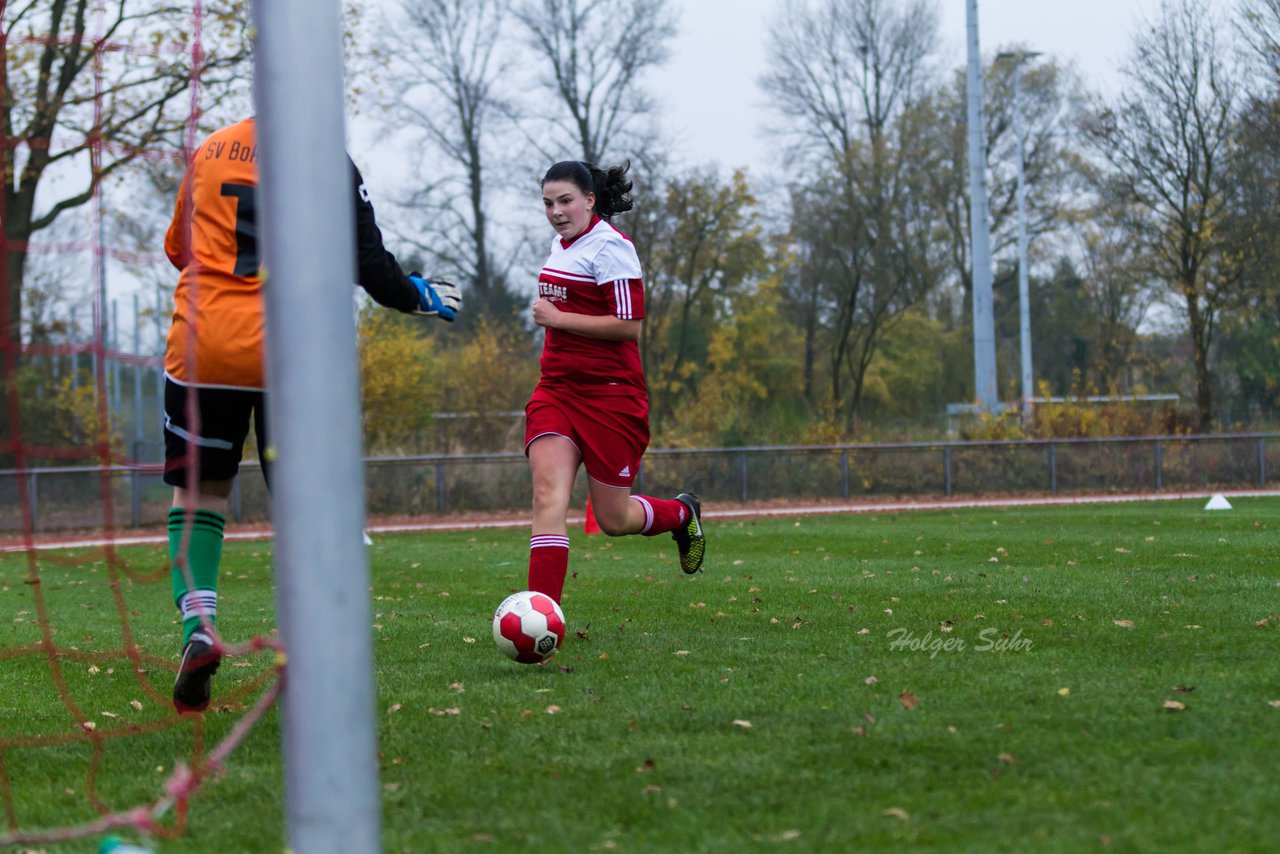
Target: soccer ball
[[528, 627]]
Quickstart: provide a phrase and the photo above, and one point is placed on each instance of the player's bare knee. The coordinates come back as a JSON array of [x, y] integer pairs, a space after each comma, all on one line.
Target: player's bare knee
[[613, 527]]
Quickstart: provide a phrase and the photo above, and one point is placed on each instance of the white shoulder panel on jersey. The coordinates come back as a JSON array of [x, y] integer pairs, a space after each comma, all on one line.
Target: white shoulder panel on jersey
[[617, 258]]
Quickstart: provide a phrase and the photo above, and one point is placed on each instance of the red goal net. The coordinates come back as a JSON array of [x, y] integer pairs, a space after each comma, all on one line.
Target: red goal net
[[96, 117]]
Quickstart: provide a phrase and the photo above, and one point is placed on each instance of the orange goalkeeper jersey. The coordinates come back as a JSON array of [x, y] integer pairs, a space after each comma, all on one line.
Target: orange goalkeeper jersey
[[217, 332]]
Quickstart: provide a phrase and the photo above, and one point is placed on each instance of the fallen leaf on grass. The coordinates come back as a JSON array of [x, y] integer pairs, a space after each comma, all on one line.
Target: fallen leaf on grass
[[1275, 704], [1124, 624], [1007, 758], [1183, 689], [553, 709], [908, 700], [442, 712], [394, 707], [897, 812], [741, 723], [1064, 692], [1173, 706], [870, 680]]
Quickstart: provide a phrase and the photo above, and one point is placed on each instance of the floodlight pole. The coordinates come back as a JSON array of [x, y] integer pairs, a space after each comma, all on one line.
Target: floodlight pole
[[305, 218], [984, 326], [1024, 284]]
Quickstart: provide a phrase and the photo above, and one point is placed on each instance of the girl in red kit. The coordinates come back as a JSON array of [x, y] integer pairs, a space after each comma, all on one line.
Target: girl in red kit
[[590, 406]]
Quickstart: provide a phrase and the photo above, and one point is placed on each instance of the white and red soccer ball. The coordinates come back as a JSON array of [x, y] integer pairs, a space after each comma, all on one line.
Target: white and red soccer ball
[[528, 627]]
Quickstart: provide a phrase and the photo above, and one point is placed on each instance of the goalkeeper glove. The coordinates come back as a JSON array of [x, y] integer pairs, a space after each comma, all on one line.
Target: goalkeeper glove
[[437, 299]]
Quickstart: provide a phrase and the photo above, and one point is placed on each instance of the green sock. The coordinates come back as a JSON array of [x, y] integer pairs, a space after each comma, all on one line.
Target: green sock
[[204, 554]]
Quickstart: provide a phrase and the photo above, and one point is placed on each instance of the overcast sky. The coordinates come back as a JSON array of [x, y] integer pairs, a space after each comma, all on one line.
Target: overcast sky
[[719, 119]]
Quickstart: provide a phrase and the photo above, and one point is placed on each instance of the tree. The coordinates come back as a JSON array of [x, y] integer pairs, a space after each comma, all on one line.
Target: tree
[[1259, 21], [410, 380], [594, 54], [747, 388], [700, 244], [1249, 347], [848, 77], [1051, 112], [87, 88], [1169, 139], [1119, 293], [447, 94]]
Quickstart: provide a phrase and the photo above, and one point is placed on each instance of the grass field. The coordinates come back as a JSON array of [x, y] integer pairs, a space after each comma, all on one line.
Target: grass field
[[1056, 678]]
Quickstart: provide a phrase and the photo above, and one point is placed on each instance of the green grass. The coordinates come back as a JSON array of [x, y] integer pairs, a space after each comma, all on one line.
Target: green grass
[[636, 735]]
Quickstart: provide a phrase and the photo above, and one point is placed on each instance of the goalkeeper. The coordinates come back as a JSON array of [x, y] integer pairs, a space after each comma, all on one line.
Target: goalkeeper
[[214, 372]]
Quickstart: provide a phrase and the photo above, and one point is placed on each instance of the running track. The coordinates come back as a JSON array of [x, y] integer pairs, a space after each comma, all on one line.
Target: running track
[[78, 540]]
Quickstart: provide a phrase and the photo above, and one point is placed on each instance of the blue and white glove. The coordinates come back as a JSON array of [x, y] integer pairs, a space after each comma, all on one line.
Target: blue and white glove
[[437, 299]]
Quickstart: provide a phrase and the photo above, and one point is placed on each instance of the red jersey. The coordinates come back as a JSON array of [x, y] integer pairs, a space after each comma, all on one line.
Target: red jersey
[[596, 273]]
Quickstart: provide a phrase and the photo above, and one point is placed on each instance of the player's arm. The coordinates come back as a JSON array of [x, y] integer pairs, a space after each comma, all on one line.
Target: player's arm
[[176, 238], [617, 273], [604, 327], [380, 275]]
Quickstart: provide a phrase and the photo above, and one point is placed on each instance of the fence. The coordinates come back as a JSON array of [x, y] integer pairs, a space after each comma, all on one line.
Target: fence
[[118, 496]]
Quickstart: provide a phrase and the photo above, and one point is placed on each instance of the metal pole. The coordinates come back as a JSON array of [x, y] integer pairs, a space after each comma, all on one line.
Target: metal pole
[[137, 383], [113, 362], [1053, 469], [322, 572], [1024, 286], [440, 491], [984, 326], [844, 472], [161, 345]]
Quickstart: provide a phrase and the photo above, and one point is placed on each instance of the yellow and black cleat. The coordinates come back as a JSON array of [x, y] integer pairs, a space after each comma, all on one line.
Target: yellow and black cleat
[[689, 539]]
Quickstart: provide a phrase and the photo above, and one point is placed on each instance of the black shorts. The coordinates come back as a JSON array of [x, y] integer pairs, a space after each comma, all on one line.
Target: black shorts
[[219, 435]]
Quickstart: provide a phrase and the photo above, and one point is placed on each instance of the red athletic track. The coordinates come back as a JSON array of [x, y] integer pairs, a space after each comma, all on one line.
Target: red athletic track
[[721, 511]]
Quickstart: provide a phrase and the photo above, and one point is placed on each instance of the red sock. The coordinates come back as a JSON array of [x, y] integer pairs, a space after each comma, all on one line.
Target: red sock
[[548, 564], [661, 515]]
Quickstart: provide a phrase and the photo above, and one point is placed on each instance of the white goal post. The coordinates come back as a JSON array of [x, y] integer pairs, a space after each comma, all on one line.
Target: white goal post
[[322, 574]]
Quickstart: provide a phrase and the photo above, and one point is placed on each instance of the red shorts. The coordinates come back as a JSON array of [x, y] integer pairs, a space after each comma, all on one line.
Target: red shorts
[[609, 425]]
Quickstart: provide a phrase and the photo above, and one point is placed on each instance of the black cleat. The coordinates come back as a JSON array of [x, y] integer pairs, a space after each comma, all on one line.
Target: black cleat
[[200, 660], [689, 539]]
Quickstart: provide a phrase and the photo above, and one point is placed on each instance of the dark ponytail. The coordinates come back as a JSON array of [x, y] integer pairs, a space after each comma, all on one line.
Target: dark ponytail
[[611, 186]]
